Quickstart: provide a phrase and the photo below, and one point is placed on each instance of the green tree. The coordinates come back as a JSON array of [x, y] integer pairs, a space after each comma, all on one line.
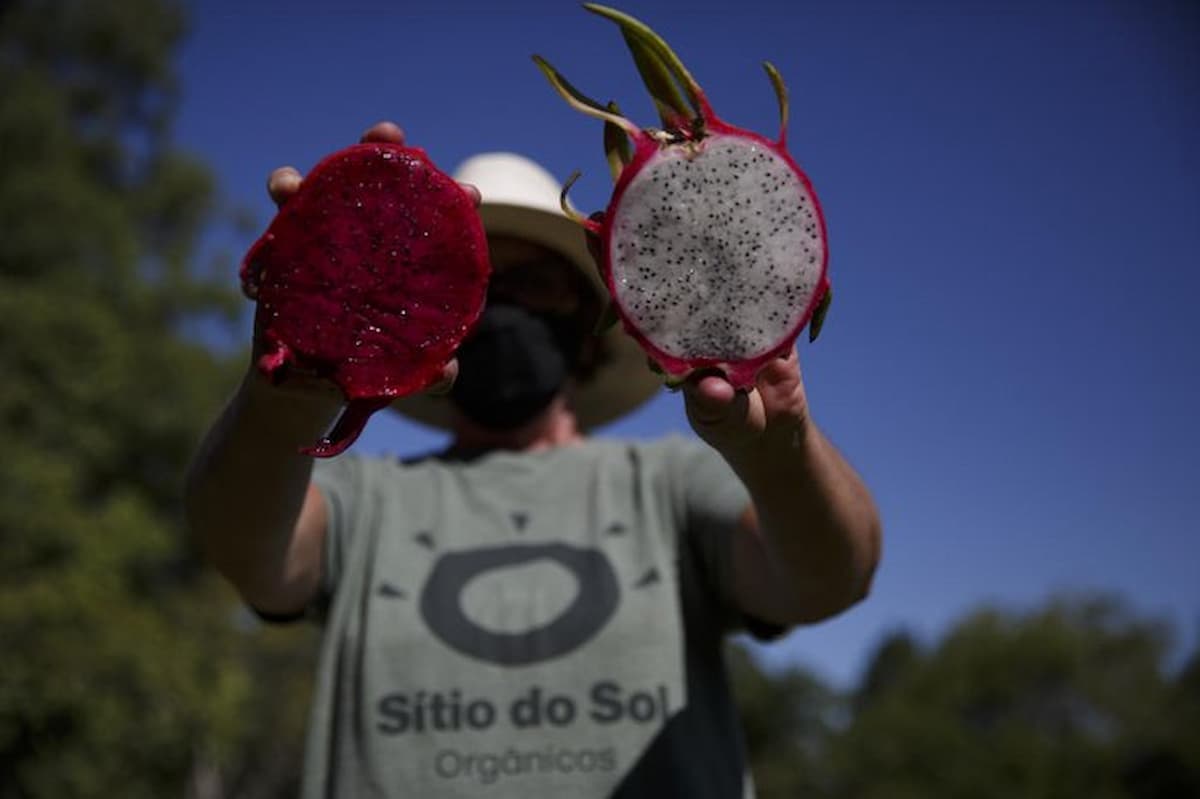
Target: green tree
[[123, 674], [1071, 700], [789, 720], [1063, 702]]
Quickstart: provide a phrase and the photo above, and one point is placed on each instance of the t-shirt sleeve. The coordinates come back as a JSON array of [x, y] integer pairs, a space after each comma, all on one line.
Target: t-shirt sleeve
[[342, 485], [709, 500]]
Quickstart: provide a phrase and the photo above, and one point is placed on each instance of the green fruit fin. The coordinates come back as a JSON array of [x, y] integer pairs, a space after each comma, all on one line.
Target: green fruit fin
[[617, 149], [638, 30], [607, 320], [818, 318], [580, 101], [672, 109], [565, 204], [781, 95]]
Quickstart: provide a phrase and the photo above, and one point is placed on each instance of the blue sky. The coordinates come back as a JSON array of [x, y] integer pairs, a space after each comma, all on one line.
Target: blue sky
[[1013, 197]]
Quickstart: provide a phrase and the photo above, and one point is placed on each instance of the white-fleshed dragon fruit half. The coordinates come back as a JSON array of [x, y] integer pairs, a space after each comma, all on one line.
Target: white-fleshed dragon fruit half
[[713, 245]]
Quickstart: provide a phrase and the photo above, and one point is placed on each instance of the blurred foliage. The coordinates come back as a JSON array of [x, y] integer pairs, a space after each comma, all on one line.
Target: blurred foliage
[[1073, 700], [123, 674], [128, 669]]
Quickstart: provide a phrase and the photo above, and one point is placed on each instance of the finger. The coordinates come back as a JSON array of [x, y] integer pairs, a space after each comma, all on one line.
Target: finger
[[780, 376], [446, 382], [283, 183], [388, 132], [709, 398], [473, 192]]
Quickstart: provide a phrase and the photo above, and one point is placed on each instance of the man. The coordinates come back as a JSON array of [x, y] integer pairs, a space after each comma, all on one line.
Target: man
[[532, 612]]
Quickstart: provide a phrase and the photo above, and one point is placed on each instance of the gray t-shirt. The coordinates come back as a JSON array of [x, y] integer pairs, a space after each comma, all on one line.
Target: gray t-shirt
[[528, 625]]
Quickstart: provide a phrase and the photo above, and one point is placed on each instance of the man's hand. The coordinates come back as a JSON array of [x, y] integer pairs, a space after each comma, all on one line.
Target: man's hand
[[732, 421], [809, 543]]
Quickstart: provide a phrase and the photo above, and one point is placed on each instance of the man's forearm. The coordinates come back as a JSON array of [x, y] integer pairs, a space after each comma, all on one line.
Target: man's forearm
[[816, 519], [246, 488]]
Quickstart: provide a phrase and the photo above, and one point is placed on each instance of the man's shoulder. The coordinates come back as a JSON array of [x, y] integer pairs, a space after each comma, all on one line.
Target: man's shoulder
[[666, 445]]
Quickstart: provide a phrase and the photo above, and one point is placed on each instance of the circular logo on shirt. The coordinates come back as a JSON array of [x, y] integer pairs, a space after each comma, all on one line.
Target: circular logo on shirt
[[594, 604]]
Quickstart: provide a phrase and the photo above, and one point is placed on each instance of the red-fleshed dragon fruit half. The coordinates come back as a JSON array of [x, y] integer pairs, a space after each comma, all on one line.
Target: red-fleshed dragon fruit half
[[713, 245], [369, 277]]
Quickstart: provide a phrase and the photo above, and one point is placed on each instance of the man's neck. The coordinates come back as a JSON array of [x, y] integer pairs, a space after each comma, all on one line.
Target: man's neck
[[553, 427]]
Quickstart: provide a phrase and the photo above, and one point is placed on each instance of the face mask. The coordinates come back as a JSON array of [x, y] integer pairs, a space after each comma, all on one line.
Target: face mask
[[510, 368]]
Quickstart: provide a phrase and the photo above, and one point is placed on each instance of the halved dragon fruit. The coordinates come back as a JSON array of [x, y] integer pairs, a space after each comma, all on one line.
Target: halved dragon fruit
[[370, 277], [713, 244]]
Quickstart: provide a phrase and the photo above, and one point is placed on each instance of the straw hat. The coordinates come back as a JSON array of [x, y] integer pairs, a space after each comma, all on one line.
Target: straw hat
[[520, 199]]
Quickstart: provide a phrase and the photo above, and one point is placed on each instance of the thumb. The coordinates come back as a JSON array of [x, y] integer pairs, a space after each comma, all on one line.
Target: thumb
[[710, 400]]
